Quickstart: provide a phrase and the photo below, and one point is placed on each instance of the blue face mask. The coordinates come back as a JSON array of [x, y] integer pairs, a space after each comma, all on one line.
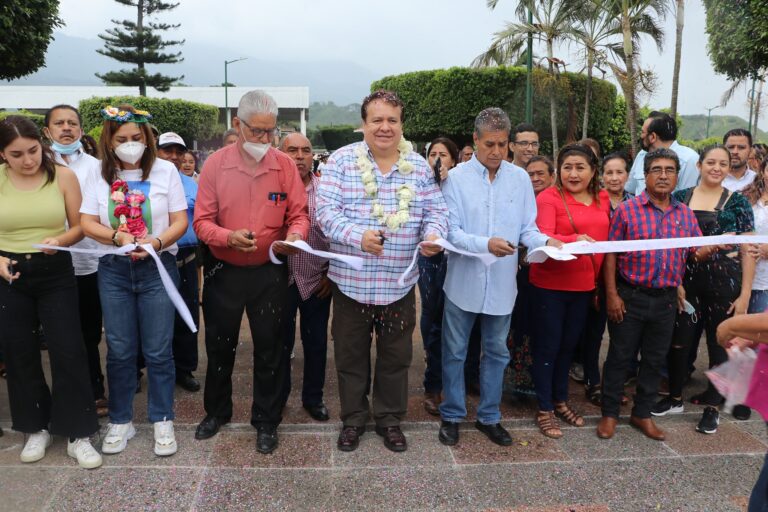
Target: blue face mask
[[66, 149]]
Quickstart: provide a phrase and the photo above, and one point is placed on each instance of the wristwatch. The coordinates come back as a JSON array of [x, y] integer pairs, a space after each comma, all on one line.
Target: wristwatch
[[115, 241]]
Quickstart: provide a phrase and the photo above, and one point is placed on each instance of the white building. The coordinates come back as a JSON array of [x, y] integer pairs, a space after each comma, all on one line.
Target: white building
[[293, 102]]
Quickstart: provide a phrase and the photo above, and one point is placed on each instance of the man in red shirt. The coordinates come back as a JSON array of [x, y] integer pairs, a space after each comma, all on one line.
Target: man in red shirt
[[250, 195], [641, 292]]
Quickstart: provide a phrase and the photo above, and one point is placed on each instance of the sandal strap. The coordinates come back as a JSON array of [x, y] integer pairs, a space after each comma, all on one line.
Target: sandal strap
[[569, 415], [547, 422]]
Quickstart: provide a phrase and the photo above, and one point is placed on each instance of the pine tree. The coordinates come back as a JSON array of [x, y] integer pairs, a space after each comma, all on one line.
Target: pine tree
[[139, 43]]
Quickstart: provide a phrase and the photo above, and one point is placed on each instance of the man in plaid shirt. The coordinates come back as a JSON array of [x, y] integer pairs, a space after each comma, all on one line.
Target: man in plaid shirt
[[309, 292], [641, 292], [378, 200]]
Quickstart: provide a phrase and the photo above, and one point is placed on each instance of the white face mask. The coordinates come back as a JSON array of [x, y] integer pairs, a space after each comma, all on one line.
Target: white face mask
[[255, 149], [130, 152]]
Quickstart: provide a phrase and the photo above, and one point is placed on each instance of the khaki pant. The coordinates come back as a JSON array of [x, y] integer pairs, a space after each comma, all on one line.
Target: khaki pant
[[353, 327]]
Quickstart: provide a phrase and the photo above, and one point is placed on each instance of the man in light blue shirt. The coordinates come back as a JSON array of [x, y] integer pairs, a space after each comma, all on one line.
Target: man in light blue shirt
[[660, 131], [492, 208]]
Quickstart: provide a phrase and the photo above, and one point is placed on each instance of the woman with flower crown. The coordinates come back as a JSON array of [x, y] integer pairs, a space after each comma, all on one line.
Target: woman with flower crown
[[137, 199], [37, 286], [377, 199]]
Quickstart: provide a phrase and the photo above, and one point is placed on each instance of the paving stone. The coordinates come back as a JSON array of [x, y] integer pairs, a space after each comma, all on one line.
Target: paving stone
[[583, 444], [139, 452], [728, 439], [264, 490], [29, 488], [527, 446], [110, 489], [423, 450], [238, 450]]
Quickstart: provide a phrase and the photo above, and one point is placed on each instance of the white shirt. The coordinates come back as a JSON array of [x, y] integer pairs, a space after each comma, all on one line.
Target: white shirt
[[163, 191], [84, 166], [687, 178], [738, 184], [760, 281]]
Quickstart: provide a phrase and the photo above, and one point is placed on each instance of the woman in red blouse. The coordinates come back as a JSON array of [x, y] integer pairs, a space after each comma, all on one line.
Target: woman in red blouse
[[575, 209]]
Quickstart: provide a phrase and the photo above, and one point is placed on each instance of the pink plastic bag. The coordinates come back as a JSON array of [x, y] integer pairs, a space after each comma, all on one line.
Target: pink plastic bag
[[733, 377], [757, 398]]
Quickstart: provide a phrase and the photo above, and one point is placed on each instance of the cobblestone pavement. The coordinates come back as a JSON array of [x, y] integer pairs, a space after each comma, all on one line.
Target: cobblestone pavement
[[689, 471]]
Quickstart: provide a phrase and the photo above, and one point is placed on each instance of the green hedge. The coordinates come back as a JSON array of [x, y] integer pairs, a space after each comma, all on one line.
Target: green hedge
[[334, 137], [37, 118], [446, 101], [193, 121]]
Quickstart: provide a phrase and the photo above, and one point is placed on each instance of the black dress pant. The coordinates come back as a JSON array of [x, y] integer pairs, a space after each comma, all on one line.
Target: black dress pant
[[647, 326], [89, 306], [184, 340], [261, 292], [710, 287], [46, 293]]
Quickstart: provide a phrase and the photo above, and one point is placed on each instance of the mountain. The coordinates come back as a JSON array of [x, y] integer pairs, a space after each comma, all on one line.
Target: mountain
[[330, 114], [695, 127], [74, 61]]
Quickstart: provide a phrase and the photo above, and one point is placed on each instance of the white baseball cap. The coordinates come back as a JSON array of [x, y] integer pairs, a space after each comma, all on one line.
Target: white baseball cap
[[170, 139]]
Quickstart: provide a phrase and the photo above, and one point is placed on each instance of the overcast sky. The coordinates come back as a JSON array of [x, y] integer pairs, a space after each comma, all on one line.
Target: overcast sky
[[395, 36]]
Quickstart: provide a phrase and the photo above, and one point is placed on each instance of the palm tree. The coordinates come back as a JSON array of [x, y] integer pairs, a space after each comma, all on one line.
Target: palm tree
[[644, 15], [599, 32], [680, 19], [552, 24]]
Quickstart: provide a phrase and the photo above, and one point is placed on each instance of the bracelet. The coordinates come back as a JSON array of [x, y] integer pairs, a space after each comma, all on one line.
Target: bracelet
[[115, 241], [161, 243]]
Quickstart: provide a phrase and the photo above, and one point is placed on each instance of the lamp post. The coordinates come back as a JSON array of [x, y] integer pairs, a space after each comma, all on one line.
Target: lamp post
[[226, 85], [709, 115]]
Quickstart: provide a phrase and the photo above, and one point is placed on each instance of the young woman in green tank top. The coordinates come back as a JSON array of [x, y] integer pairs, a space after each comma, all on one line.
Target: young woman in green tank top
[[37, 286]]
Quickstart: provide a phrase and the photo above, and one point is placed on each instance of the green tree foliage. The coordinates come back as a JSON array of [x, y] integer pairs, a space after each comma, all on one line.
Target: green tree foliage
[[333, 137], [139, 42], [730, 28], [446, 101], [330, 114], [37, 118], [27, 29], [193, 121]]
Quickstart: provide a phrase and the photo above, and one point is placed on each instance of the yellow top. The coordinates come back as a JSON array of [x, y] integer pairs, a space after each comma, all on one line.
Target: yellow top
[[29, 216]]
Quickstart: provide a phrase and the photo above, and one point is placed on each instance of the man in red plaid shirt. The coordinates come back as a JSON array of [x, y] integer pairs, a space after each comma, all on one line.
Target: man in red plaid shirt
[[641, 292], [309, 292]]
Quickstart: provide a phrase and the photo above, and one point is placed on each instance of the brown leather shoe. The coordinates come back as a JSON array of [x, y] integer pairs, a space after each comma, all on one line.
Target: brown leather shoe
[[394, 439], [431, 403], [349, 438], [606, 427], [647, 427]]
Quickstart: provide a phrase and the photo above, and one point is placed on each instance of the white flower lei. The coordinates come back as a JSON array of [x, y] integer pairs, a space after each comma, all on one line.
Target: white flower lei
[[405, 193]]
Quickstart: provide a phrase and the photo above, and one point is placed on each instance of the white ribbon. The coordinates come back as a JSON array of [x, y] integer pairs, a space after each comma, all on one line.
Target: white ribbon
[[540, 254], [170, 287], [486, 257], [356, 262]]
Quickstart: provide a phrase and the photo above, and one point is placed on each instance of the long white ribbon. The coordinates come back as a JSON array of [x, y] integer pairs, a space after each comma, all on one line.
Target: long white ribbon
[[170, 287], [486, 257], [356, 262], [541, 254]]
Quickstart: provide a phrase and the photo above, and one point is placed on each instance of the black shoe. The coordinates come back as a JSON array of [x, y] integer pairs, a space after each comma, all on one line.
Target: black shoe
[[318, 412], [209, 427], [187, 381], [495, 433], [668, 405], [394, 439], [709, 421], [349, 438], [266, 439], [449, 433], [741, 412]]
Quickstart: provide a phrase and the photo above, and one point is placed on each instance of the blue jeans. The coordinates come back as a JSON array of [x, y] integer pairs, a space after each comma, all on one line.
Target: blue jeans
[[138, 314], [758, 500], [457, 325], [558, 318], [758, 301]]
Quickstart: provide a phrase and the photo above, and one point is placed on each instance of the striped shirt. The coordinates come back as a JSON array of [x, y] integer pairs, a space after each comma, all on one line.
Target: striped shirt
[[306, 270], [344, 213], [640, 219]]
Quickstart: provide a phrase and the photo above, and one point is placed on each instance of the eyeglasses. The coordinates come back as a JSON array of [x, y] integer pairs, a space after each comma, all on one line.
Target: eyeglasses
[[259, 132], [658, 171], [525, 144]]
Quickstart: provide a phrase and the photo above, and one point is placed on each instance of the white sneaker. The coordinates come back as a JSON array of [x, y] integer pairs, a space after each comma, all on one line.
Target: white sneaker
[[117, 437], [34, 449], [85, 454], [165, 440]]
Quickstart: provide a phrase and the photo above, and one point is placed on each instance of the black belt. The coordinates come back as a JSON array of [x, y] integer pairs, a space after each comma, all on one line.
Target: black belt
[[16, 256], [653, 292]]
